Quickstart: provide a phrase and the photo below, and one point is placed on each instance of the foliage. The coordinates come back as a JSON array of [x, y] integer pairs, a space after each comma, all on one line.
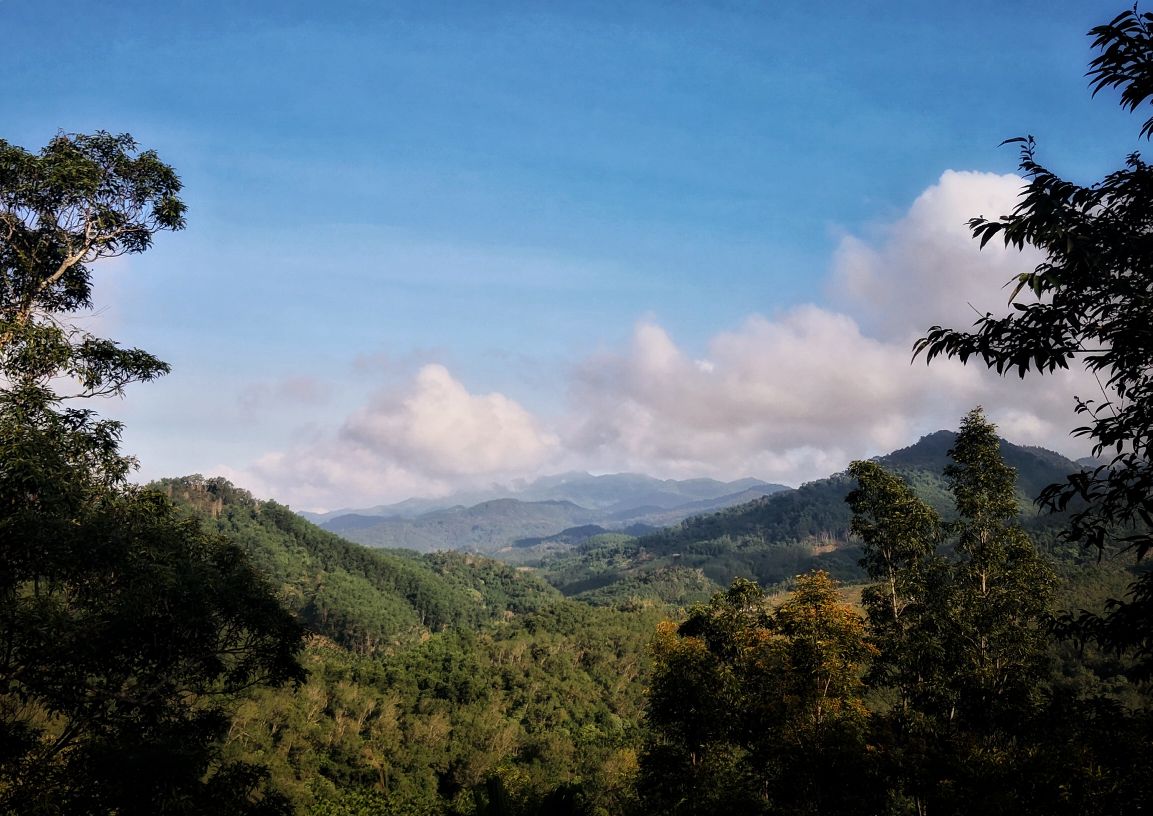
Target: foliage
[[1087, 303], [539, 707], [963, 642], [900, 534], [125, 629], [439, 683], [755, 710], [81, 199], [612, 570], [365, 599], [1001, 585]]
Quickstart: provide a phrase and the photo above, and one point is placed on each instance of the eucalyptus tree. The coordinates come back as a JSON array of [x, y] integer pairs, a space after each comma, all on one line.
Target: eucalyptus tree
[[758, 710], [899, 533], [1002, 586], [958, 615]]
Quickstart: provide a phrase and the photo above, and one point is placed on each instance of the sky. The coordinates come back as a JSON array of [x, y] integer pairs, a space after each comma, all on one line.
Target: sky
[[442, 245]]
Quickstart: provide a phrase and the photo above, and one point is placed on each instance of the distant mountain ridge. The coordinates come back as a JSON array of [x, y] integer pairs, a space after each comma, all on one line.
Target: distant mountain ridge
[[541, 510], [703, 517], [485, 527], [775, 537], [613, 492]]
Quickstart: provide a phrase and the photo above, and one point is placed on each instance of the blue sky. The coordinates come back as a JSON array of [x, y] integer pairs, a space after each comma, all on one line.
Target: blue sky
[[433, 244]]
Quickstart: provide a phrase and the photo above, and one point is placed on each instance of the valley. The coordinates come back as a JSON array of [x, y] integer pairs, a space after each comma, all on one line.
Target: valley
[[456, 681]]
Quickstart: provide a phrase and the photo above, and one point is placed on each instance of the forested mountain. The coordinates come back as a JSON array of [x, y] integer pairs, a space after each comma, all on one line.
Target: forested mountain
[[437, 683], [776, 537], [761, 530], [502, 527], [451, 683], [362, 598]]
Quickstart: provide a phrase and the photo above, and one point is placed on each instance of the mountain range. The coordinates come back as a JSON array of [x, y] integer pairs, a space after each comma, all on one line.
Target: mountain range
[[739, 527], [778, 536], [599, 554], [614, 492], [524, 517]]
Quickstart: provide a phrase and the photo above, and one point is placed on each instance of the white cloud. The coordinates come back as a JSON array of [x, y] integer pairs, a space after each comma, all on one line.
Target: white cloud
[[444, 431], [926, 269], [797, 395], [424, 439], [792, 398], [787, 397]]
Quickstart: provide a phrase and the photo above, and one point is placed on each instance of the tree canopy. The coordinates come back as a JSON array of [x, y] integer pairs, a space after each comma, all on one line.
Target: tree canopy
[[758, 710], [125, 628]]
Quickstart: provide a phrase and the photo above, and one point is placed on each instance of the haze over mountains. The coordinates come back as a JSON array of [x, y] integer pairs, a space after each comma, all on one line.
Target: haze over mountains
[[499, 518], [613, 492], [558, 513]]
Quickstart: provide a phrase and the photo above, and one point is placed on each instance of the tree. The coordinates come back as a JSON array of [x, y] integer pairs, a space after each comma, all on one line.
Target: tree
[[900, 534], [1000, 587], [82, 199], [1003, 587], [696, 760], [758, 710], [961, 635], [1089, 303], [125, 629]]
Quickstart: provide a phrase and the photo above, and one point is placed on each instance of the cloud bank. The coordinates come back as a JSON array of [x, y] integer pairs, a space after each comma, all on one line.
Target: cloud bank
[[425, 438], [785, 397]]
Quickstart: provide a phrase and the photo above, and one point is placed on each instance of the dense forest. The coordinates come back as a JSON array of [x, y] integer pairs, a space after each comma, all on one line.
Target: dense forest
[[962, 626], [774, 538]]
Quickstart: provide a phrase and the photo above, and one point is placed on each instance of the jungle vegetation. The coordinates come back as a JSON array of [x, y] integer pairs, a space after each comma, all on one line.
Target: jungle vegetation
[[182, 648]]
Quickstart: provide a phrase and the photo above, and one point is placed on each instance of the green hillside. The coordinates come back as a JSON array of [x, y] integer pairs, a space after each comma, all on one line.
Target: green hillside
[[452, 683], [362, 598], [776, 537], [437, 683]]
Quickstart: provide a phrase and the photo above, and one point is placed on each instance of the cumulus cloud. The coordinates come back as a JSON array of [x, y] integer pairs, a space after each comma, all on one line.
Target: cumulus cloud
[[425, 438], [444, 431], [791, 398], [926, 269], [797, 395], [786, 397], [804, 387]]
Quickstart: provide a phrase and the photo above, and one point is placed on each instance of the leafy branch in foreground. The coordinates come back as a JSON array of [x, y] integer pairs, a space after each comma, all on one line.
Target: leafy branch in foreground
[[1089, 303]]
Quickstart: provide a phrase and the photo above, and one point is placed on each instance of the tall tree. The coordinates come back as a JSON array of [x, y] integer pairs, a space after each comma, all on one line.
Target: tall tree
[[1088, 304], [960, 633], [899, 533], [756, 710], [124, 628], [1002, 587]]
